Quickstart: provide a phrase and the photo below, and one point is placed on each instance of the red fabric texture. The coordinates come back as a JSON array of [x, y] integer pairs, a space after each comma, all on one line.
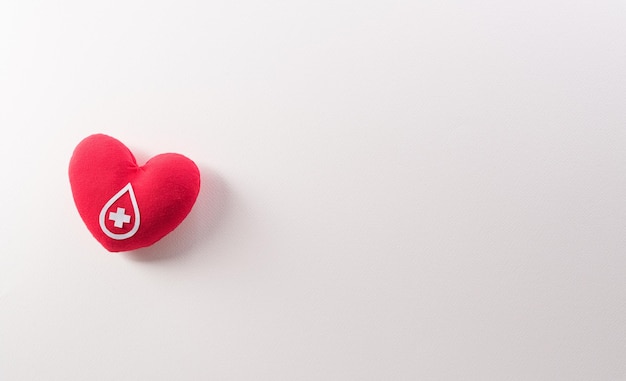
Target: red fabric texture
[[165, 189]]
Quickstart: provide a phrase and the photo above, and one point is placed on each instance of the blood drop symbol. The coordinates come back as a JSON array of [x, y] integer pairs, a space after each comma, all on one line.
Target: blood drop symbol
[[120, 217]]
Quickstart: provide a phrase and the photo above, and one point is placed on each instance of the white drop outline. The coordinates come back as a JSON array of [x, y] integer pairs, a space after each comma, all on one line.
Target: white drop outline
[[128, 188]]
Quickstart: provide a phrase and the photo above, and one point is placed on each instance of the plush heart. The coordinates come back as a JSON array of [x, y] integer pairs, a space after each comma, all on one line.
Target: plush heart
[[126, 206]]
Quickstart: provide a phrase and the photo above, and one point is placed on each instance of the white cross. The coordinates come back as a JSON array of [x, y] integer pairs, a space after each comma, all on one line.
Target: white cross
[[120, 217]]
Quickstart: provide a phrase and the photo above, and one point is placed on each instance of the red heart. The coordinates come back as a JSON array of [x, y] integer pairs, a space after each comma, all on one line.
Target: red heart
[[126, 206]]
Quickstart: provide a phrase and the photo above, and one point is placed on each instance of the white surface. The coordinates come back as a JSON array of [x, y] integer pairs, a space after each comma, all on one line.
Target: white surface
[[393, 190]]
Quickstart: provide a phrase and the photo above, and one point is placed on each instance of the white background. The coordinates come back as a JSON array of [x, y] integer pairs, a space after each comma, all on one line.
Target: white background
[[393, 190]]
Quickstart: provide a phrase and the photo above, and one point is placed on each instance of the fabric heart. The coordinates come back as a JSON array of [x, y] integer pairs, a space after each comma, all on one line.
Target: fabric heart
[[126, 206]]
